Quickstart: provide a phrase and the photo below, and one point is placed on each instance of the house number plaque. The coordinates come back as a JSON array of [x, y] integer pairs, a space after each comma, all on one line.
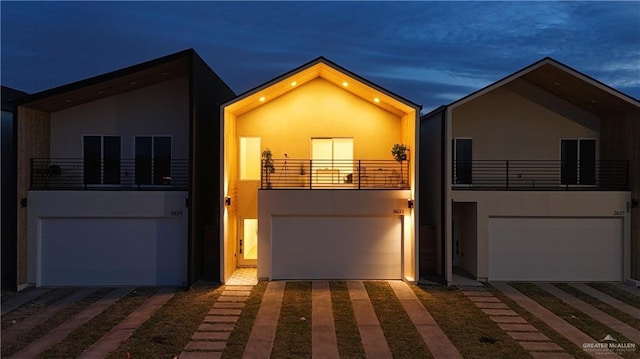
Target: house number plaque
[[398, 211]]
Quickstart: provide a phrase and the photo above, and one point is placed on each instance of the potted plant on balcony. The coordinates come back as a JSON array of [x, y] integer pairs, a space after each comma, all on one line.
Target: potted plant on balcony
[[399, 152], [267, 166]]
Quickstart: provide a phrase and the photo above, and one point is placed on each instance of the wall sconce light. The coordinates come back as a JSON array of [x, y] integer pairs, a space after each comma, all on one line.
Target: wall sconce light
[[227, 201], [410, 203]]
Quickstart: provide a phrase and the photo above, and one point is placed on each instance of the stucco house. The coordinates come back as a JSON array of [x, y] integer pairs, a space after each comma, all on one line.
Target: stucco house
[[117, 182], [309, 186], [534, 177]]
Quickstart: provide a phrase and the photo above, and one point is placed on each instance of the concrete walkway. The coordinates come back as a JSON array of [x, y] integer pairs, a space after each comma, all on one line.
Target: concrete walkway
[[438, 343], [324, 344], [22, 327], [56, 335], [121, 332], [558, 324], [373, 340], [595, 313], [619, 305], [263, 332], [22, 298]]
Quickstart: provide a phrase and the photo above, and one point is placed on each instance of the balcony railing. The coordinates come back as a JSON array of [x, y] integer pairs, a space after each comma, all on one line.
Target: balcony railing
[[541, 175], [124, 174], [335, 174]]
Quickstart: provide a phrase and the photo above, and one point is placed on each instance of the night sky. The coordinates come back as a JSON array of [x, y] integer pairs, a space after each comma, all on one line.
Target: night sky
[[431, 53]]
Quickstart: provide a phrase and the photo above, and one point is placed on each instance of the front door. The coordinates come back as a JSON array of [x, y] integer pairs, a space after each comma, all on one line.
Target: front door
[[248, 242]]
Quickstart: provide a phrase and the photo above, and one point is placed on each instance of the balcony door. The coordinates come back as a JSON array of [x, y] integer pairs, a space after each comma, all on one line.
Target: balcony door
[[153, 160], [332, 159], [101, 159], [462, 161], [578, 157]]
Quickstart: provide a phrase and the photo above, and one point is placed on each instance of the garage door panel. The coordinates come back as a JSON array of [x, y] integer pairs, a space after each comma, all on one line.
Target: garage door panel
[[336, 248], [555, 249], [110, 251]]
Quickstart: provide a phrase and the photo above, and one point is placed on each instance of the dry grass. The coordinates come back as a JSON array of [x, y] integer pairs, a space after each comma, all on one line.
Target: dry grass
[[34, 306], [167, 332], [620, 294], [293, 335], [238, 338], [84, 336], [347, 333], [468, 327]]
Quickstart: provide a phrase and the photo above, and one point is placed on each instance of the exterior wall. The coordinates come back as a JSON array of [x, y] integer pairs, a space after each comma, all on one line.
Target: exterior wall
[[328, 203], [7, 202], [506, 126], [320, 109], [160, 109], [97, 204], [555, 204]]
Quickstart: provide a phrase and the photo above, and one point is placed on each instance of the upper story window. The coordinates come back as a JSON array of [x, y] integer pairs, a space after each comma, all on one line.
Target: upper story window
[[101, 159], [462, 161], [578, 158], [153, 160], [250, 158]]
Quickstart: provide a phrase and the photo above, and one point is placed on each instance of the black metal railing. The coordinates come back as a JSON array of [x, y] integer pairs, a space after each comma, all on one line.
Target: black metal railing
[[541, 175], [124, 174], [334, 174]]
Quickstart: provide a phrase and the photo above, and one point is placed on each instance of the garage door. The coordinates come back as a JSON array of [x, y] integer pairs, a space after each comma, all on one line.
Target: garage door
[[109, 251], [336, 247], [555, 249]]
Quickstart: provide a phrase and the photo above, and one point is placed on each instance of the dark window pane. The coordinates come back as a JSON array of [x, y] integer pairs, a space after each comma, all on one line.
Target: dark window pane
[[161, 160], [588, 162], [92, 155], [111, 157], [143, 160], [463, 160], [569, 157]]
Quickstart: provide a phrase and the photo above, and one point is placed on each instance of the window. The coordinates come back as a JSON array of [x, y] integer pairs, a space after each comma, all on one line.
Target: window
[[101, 158], [332, 159], [462, 160], [250, 158], [153, 160], [578, 161]]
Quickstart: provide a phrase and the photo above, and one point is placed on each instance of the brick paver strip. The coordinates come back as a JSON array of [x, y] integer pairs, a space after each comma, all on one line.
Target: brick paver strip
[[517, 327], [228, 305], [528, 336], [228, 298], [484, 299], [543, 355], [236, 293], [62, 331], [545, 315], [373, 340], [541, 346], [436, 340], [218, 327], [224, 311], [621, 306], [205, 345], [323, 331], [477, 293], [508, 319], [22, 298], [112, 340], [471, 288], [220, 319], [210, 336], [486, 305], [499, 312], [263, 332], [200, 355], [14, 332], [595, 313], [238, 287]]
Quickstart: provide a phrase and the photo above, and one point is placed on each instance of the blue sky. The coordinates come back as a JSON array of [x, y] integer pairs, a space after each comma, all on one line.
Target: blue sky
[[431, 53]]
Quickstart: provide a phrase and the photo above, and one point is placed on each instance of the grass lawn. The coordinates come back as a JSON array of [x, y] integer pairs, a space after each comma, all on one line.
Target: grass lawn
[[84, 336], [293, 335], [583, 322], [242, 330], [620, 294], [347, 333], [468, 327], [167, 332]]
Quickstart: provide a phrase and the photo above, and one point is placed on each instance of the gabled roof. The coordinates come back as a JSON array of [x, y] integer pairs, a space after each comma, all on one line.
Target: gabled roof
[[112, 83], [567, 83], [329, 71]]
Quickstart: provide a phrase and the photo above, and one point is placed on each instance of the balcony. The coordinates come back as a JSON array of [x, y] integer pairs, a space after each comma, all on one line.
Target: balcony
[[124, 174], [335, 174], [541, 175]]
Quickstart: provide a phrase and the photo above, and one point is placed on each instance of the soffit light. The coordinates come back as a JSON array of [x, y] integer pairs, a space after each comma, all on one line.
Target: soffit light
[[345, 84], [294, 83], [376, 100], [262, 99]]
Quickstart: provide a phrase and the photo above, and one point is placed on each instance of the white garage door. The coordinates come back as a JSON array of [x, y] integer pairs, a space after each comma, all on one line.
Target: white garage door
[[555, 249], [336, 247], [112, 251]]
